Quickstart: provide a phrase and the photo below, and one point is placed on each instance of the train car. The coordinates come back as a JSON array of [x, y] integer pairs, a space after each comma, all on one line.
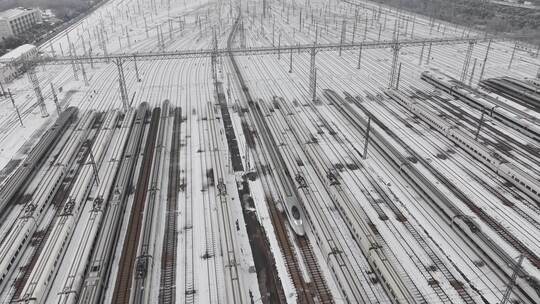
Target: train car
[[514, 90], [99, 265], [527, 183], [74, 279], [27, 223], [391, 280], [464, 224], [37, 288], [291, 202], [514, 116], [34, 160], [146, 252], [520, 179]]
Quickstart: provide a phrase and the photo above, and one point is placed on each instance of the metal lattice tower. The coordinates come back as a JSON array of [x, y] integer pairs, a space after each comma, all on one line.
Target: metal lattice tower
[[343, 31], [467, 61], [214, 56], [242, 51], [35, 84], [55, 99], [313, 75], [122, 82], [395, 58], [485, 60]]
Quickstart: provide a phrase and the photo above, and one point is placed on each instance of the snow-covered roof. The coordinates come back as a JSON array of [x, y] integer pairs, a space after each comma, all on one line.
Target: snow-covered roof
[[12, 13], [17, 52]]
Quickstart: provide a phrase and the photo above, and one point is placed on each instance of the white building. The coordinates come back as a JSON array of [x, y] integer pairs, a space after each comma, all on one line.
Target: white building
[[10, 66], [15, 21]]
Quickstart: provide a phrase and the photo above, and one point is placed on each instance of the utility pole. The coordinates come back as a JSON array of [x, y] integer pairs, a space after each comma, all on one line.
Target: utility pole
[[485, 60], [413, 24], [273, 29], [52, 50], [313, 75], [512, 57], [479, 125], [395, 57], [290, 63], [367, 137], [55, 99], [35, 84], [472, 72], [16, 109], [421, 54], [122, 82], [90, 55], [170, 29], [84, 74], [145, 27], [127, 36], [359, 57], [279, 46], [355, 25], [73, 65], [468, 55], [398, 76], [365, 30], [136, 68], [343, 29], [429, 53]]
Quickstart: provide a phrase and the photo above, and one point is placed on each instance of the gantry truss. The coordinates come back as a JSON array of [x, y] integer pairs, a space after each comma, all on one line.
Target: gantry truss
[[264, 50]]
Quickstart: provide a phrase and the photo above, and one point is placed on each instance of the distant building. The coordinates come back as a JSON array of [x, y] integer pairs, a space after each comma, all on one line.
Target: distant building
[[15, 21], [10, 68]]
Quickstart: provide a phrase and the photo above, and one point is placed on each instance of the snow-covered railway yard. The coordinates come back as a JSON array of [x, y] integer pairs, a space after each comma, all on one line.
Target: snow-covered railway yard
[[271, 152]]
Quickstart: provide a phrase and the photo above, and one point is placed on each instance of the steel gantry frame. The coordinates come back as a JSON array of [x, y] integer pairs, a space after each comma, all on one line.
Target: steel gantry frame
[[265, 50], [215, 52]]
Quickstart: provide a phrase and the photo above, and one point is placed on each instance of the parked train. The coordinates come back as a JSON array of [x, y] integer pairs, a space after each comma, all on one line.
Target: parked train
[[390, 279], [38, 286], [291, 203], [514, 117], [146, 253], [522, 180], [515, 90], [34, 211], [462, 223], [96, 279], [73, 280], [34, 160]]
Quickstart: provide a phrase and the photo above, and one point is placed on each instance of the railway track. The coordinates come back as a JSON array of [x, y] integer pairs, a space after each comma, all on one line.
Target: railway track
[[228, 242], [39, 239], [398, 215], [146, 251], [167, 291], [489, 220], [304, 293], [96, 278], [122, 290], [485, 244], [498, 192]]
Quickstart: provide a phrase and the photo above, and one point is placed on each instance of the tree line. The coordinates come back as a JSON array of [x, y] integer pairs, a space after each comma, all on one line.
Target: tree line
[[479, 14]]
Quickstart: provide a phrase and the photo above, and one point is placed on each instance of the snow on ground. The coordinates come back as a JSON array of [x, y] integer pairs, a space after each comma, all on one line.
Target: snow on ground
[[120, 26]]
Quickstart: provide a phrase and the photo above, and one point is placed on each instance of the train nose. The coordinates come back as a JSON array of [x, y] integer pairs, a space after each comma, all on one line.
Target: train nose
[[299, 228], [297, 221]]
